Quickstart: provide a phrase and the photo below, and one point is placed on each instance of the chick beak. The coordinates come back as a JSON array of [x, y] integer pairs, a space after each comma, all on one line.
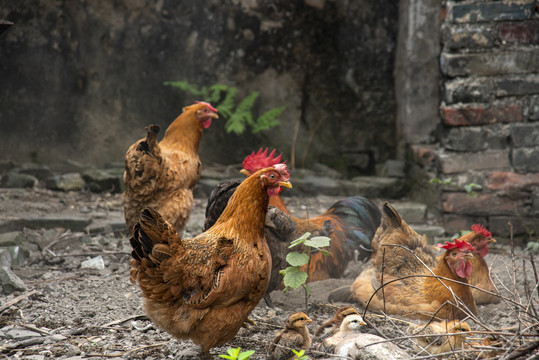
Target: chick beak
[[287, 184], [362, 323], [245, 172]]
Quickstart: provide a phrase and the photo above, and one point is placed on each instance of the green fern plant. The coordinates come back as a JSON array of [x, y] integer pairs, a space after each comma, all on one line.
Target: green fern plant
[[239, 116], [294, 277]]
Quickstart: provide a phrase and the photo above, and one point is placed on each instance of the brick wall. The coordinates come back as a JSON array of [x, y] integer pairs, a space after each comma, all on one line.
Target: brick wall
[[490, 114]]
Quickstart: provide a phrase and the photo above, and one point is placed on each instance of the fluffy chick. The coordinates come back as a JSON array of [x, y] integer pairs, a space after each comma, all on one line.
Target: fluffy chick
[[295, 336], [331, 326], [349, 342], [439, 343]]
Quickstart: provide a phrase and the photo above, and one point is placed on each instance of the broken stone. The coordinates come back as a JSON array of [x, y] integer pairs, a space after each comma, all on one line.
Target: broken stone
[[21, 334], [66, 182], [15, 179], [412, 213], [101, 181], [41, 172], [93, 263]]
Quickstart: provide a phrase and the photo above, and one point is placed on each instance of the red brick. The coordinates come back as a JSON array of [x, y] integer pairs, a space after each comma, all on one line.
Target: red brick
[[506, 181], [519, 33], [424, 154], [476, 115], [483, 204]]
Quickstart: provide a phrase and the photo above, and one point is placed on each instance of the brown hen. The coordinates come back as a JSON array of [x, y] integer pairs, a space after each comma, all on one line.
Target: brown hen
[[204, 288], [410, 289], [162, 175]]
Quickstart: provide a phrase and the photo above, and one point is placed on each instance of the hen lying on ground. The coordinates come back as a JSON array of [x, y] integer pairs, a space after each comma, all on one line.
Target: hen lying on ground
[[204, 288], [350, 223], [410, 289], [399, 232], [162, 175], [294, 336]]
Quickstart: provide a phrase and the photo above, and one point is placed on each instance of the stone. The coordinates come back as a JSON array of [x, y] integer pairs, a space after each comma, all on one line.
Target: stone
[[93, 263], [467, 90], [325, 171], [73, 223], [526, 159], [17, 180], [320, 184], [394, 168], [490, 11], [412, 213], [66, 182], [6, 165], [454, 223], [467, 115], [371, 187], [102, 181], [466, 139], [469, 36], [21, 334], [497, 63], [431, 232], [525, 134], [461, 162], [487, 204], [41, 172], [9, 280]]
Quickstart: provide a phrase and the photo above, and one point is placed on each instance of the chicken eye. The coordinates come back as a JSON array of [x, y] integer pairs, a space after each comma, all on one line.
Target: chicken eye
[[272, 177], [301, 319]]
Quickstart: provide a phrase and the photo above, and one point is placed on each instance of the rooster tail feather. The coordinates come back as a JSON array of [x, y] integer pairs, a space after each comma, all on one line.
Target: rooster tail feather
[[361, 218]]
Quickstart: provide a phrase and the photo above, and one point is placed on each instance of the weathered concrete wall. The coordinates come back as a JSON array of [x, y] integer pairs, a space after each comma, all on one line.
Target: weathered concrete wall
[[490, 113], [80, 79]]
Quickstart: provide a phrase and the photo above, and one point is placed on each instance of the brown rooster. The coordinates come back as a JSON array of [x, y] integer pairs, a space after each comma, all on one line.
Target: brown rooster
[[162, 174], [409, 287], [350, 223], [204, 288], [294, 336]]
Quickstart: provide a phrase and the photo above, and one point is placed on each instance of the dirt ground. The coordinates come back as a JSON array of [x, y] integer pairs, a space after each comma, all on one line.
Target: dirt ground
[[74, 313]]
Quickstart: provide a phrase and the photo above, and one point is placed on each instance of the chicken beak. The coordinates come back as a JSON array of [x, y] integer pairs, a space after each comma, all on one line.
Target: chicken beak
[[287, 184], [468, 255], [245, 172], [213, 115], [491, 240]]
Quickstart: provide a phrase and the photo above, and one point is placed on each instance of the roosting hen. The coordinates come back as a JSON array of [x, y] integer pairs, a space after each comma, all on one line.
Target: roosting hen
[[162, 175], [350, 223], [204, 288], [394, 230], [409, 287]]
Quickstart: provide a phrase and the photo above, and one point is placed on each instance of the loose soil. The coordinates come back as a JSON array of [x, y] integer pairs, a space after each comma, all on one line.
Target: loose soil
[[90, 313]]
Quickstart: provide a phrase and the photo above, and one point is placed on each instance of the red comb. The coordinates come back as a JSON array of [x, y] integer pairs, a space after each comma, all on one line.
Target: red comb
[[478, 229], [459, 244], [207, 104], [260, 160]]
